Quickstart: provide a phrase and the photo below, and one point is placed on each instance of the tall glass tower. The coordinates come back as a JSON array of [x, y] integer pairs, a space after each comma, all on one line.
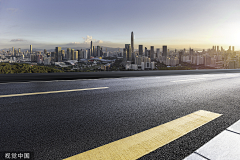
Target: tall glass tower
[[132, 42]]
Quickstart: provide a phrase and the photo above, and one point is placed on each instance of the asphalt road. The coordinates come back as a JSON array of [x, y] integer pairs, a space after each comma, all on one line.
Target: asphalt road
[[60, 125], [25, 77]]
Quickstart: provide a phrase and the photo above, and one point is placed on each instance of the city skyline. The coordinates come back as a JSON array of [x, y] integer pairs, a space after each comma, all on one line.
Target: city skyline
[[177, 24]]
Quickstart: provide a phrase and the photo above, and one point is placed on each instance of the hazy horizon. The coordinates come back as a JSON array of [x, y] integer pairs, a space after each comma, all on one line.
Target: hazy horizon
[[177, 24]]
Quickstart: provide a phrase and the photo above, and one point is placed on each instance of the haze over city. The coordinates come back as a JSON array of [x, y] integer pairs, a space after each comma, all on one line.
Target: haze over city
[[178, 24]]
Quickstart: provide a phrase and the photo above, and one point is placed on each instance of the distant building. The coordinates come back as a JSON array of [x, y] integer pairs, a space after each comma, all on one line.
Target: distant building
[[158, 52], [132, 42], [58, 54], [45, 51], [75, 55], [30, 49], [68, 54], [39, 59], [63, 54], [72, 54], [13, 51], [91, 49], [94, 51], [124, 55], [98, 51], [129, 52], [165, 51], [146, 52], [152, 53], [140, 48]]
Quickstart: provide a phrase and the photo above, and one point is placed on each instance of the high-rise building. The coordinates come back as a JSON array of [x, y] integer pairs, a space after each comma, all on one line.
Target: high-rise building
[[19, 50], [63, 54], [72, 54], [152, 53], [30, 49], [146, 52], [68, 54], [88, 55], [132, 42], [98, 51], [58, 54], [94, 51], [140, 48], [45, 51], [165, 51], [75, 55], [232, 48], [229, 50], [158, 52], [129, 52], [91, 48], [12, 51], [124, 55], [101, 52], [217, 48]]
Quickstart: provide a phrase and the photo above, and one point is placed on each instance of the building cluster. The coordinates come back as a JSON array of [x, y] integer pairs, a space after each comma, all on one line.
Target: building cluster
[[136, 59], [144, 59], [67, 57]]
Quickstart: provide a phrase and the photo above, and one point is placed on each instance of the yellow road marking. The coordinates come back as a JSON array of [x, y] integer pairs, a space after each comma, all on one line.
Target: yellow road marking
[[138, 145], [36, 93]]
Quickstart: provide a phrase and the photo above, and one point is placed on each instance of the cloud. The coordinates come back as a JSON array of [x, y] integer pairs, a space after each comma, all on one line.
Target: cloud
[[17, 40], [99, 41], [75, 43], [88, 39], [13, 10]]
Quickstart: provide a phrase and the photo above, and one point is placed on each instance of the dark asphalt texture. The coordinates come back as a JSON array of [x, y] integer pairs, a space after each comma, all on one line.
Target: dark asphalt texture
[[25, 77], [57, 126]]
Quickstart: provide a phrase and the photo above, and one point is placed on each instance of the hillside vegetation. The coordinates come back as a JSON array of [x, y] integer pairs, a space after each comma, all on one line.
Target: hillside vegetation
[[6, 68]]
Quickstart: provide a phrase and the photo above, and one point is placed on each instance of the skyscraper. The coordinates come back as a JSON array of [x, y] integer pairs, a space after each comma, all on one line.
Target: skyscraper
[[158, 52], [98, 51], [232, 48], [30, 49], [165, 51], [45, 51], [146, 52], [124, 55], [12, 51], [132, 42], [72, 54], [58, 54], [152, 53], [91, 48], [129, 52], [68, 54], [94, 51], [63, 54], [19, 50], [140, 48]]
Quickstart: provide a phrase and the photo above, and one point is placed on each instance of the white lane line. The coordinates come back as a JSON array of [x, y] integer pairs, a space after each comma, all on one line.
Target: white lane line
[[48, 92], [226, 145], [185, 80]]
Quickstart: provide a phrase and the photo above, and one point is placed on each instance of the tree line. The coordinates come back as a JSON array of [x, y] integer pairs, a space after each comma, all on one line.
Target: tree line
[[6, 68]]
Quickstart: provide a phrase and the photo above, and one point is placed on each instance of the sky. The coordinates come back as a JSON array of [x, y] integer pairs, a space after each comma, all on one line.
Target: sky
[[179, 24]]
